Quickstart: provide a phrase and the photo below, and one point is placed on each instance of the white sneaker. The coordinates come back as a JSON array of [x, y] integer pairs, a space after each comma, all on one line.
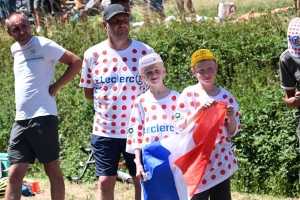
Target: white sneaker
[[38, 29]]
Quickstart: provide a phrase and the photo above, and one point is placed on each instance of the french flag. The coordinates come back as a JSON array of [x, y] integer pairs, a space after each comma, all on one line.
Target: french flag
[[175, 165]]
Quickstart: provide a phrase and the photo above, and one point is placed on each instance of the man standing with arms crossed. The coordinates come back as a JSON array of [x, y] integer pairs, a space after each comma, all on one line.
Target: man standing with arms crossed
[[35, 131], [110, 77]]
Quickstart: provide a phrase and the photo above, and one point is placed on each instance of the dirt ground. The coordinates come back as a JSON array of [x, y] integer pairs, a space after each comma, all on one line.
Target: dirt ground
[[86, 191], [123, 191]]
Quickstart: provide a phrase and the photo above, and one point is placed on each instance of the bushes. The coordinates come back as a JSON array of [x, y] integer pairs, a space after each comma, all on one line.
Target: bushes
[[247, 53]]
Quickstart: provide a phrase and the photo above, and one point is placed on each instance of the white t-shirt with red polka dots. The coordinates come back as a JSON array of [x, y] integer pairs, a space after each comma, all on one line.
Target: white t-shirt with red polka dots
[[151, 120], [222, 161], [115, 77]]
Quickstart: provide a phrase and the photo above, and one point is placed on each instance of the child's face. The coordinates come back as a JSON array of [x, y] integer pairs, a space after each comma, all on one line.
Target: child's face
[[154, 74], [205, 71]]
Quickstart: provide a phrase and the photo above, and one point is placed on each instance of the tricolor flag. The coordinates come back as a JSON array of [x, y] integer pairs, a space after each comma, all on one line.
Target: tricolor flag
[[176, 165]]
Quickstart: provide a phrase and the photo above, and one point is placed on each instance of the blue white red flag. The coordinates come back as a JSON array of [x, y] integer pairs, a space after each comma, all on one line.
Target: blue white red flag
[[175, 166]]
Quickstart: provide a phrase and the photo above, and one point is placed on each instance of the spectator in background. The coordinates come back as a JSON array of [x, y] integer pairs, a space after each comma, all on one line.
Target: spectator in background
[[56, 8], [53, 6], [289, 65], [80, 7], [10, 6], [155, 6], [2, 16], [124, 3], [95, 7], [34, 7], [189, 5]]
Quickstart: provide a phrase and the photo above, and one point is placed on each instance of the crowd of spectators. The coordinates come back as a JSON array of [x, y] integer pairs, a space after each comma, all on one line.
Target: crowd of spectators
[[46, 9]]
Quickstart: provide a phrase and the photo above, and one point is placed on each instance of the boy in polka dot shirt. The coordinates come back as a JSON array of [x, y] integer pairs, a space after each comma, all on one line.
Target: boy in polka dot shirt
[[152, 115], [215, 183]]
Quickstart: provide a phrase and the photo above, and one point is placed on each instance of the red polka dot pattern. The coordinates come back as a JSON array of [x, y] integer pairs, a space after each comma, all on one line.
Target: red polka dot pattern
[[222, 162], [113, 77], [153, 118]]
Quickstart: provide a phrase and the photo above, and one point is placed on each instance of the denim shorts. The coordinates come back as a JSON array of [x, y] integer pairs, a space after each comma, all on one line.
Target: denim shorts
[[10, 6], [156, 5]]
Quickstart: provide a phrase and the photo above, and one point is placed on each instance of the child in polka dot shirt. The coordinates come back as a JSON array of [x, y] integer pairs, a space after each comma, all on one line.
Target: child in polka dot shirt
[[215, 183], [152, 115]]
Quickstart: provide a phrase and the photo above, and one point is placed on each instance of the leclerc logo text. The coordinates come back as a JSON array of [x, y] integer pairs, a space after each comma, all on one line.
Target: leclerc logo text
[[119, 79], [159, 128]]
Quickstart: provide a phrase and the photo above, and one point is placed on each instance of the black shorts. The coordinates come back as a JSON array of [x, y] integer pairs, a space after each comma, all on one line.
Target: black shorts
[[34, 138], [50, 6], [219, 191], [117, 1], [107, 153]]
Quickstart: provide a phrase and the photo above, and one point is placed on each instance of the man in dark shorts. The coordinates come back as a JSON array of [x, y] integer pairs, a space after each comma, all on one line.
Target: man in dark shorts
[[111, 79], [35, 131], [54, 6], [49, 6]]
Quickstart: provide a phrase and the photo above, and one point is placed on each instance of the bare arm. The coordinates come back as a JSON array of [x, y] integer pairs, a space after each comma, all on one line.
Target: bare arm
[[89, 93], [232, 122], [74, 65], [140, 174], [290, 99]]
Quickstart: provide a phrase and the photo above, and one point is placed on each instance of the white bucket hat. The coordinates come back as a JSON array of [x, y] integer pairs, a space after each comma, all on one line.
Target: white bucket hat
[[148, 60]]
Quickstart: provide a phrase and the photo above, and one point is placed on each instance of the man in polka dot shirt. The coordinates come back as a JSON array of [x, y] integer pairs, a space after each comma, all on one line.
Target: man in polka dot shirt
[[290, 68], [215, 183], [110, 78]]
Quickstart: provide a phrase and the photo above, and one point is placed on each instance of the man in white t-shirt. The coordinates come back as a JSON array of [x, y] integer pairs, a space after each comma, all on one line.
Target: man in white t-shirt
[[110, 77], [35, 131]]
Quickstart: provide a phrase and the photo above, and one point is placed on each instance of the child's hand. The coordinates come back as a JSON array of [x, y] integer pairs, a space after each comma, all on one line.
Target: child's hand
[[230, 111], [208, 103], [140, 174], [297, 95]]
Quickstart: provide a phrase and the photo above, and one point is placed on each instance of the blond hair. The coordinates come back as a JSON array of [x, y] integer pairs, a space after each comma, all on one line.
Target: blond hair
[[160, 64]]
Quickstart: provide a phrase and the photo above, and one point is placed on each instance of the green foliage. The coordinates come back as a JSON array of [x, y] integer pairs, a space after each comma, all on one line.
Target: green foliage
[[247, 53]]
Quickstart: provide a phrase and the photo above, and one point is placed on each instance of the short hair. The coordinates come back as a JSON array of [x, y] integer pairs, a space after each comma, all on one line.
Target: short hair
[[7, 25]]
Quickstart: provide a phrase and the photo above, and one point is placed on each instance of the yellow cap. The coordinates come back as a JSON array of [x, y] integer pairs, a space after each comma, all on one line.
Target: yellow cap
[[202, 54]]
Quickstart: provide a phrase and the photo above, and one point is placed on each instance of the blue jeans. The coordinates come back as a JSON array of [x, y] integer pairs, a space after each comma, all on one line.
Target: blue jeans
[[156, 5], [10, 6]]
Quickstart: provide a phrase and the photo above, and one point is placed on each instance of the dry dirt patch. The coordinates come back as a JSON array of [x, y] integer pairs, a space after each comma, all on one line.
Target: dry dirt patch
[[123, 191]]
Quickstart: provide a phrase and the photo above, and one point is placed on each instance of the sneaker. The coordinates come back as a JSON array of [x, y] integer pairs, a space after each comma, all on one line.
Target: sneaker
[[38, 29]]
